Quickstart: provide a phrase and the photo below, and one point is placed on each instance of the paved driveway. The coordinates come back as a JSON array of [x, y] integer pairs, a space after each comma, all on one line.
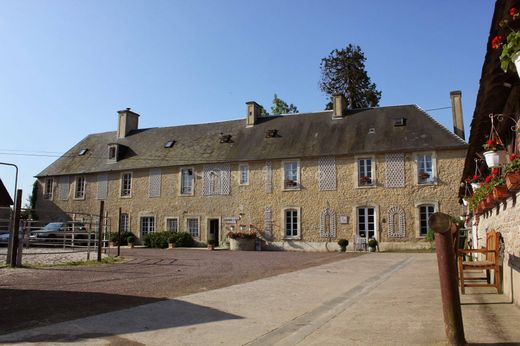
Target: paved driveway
[[377, 299], [37, 297]]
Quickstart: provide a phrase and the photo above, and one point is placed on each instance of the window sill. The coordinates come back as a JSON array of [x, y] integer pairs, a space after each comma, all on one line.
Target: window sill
[[294, 188], [129, 196], [366, 186], [292, 238], [186, 195], [79, 198]]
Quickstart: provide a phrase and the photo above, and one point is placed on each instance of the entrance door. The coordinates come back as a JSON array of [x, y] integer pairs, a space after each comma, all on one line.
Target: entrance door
[[366, 223], [214, 230]]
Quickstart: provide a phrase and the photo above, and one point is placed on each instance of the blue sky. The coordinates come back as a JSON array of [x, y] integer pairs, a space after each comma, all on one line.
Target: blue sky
[[67, 66]]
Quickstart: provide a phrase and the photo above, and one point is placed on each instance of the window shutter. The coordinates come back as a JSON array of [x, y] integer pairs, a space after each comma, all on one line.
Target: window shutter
[[395, 176], [154, 189], [64, 187], [102, 186], [327, 173]]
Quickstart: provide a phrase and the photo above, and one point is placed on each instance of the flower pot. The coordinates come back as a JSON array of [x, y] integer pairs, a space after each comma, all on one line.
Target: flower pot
[[495, 158], [171, 245], [371, 249], [465, 202], [513, 181], [516, 60], [500, 193], [475, 186], [343, 248], [242, 244], [490, 200], [131, 245]]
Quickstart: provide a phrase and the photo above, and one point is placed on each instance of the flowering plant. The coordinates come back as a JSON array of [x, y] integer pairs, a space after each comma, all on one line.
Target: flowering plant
[[242, 235], [473, 179], [493, 145], [513, 165], [511, 45]]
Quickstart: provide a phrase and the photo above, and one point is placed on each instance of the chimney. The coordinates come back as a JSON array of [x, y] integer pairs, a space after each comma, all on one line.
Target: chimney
[[127, 121], [339, 105], [254, 111], [456, 109]]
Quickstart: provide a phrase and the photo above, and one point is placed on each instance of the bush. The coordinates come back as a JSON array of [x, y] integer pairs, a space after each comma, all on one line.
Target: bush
[[242, 235], [343, 242], [157, 239], [124, 237], [430, 235], [372, 242], [182, 239]]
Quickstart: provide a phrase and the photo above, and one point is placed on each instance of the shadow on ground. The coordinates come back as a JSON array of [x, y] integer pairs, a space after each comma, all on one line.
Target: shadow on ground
[[24, 309]]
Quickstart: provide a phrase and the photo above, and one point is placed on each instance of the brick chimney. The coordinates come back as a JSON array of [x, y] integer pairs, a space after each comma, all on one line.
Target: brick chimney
[[127, 121], [456, 109], [339, 105], [254, 111]]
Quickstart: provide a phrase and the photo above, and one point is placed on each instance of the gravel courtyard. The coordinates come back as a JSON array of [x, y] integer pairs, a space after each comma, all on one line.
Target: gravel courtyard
[[36, 297]]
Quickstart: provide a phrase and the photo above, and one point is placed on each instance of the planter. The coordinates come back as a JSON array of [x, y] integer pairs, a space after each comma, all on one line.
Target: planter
[[171, 245], [343, 248], [475, 186], [242, 244], [516, 60], [500, 193], [131, 245], [495, 158], [211, 247], [513, 181], [487, 203], [371, 249]]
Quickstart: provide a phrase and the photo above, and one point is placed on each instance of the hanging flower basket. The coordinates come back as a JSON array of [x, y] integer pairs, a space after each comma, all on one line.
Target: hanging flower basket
[[495, 158], [500, 193], [475, 186], [513, 181]]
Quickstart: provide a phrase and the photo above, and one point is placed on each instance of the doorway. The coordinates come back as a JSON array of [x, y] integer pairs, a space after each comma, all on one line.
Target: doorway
[[366, 223], [213, 230]]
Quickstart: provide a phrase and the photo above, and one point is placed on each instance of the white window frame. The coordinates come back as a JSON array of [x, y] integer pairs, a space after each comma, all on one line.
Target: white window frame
[[243, 174], [150, 226], [298, 222], [124, 226], [122, 187], [417, 169], [418, 205], [188, 226], [48, 190], [81, 190], [192, 191], [376, 219], [357, 177], [168, 218], [297, 185], [111, 147]]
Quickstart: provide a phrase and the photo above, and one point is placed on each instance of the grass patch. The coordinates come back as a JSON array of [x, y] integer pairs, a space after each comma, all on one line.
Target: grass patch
[[105, 260]]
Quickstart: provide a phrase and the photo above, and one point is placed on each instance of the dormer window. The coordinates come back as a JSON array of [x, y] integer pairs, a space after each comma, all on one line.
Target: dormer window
[[83, 152], [169, 144], [400, 122], [225, 138], [112, 152]]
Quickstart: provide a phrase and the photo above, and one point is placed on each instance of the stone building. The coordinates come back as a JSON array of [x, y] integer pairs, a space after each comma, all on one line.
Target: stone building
[[301, 180], [499, 96]]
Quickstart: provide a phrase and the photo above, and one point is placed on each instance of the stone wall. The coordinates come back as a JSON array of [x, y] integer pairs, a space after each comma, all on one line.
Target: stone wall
[[249, 202], [506, 220]]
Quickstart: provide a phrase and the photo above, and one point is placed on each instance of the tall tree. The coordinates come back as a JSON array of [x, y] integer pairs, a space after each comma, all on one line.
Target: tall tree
[[281, 107], [343, 72]]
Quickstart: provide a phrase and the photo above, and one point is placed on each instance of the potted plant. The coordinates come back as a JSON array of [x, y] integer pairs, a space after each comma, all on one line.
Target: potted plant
[[475, 182], [510, 56], [364, 180], [512, 173], [171, 241], [211, 244], [240, 240], [495, 154], [131, 240], [343, 243], [372, 245]]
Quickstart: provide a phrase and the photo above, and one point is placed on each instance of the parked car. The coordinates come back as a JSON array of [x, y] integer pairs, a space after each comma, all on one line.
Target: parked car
[[5, 235], [57, 231]]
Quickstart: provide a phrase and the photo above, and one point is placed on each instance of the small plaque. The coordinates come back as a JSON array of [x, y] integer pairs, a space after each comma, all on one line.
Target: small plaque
[[343, 219], [230, 220]]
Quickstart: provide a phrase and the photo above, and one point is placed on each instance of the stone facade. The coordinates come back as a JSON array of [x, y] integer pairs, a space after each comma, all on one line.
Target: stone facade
[[325, 183], [506, 220]]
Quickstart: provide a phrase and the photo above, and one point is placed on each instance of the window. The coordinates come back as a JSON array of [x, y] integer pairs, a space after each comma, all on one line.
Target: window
[[47, 193], [82, 152], [186, 181], [124, 224], [425, 170], [147, 225], [172, 224], [291, 175], [214, 183], [79, 193], [169, 144], [126, 184], [292, 223], [366, 225], [112, 152], [425, 211], [244, 174], [365, 172], [192, 224]]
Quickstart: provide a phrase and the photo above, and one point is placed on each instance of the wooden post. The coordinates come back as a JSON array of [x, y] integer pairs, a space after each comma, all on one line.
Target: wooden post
[[13, 241], [453, 326], [100, 229]]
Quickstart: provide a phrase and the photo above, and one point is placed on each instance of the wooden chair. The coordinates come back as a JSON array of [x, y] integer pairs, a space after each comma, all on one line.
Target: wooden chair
[[490, 262]]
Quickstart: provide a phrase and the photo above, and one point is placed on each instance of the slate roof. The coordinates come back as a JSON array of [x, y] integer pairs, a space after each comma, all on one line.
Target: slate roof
[[5, 198], [299, 135]]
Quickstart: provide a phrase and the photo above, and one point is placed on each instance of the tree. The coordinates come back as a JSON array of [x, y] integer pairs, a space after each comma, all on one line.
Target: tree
[[281, 107], [343, 72]]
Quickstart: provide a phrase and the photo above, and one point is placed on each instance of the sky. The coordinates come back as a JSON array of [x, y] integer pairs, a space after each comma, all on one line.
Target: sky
[[67, 66]]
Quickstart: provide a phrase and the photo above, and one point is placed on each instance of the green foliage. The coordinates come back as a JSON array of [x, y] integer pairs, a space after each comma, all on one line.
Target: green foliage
[[156, 239], [124, 237], [430, 235], [510, 48], [212, 242], [343, 242], [181, 239], [480, 194], [242, 235], [32, 201], [513, 166], [372, 242], [281, 107], [343, 72]]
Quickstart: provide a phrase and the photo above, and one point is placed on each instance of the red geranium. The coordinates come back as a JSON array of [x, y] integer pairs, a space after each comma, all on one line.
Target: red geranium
[[513, 157], [497, 42], [488, 178], [475, 178], [513, 12], [495, 171], [490, 142]]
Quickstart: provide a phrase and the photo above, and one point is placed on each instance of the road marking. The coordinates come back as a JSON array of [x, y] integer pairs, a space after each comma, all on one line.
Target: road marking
[[299, 328]]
